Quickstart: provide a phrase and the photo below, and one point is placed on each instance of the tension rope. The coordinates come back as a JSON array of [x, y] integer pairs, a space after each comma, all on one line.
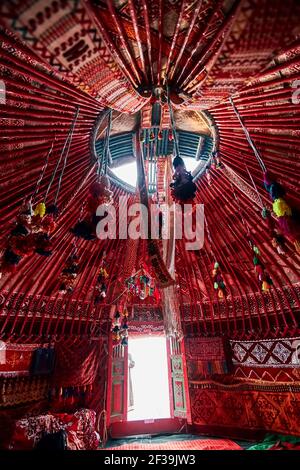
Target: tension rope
[[65, 150], [248, 137], [40, 178], [105, 157]]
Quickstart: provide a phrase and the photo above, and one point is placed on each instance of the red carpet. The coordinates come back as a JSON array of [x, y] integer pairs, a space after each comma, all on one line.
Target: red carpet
[[197, 444]]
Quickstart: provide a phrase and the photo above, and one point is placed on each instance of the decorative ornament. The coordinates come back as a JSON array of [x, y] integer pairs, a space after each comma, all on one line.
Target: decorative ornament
[[101, 283], [69, 275], [183, 189], [218, 281], [286, 217], [99, 194], [120, 327], [216, 161], [142, 285], [262, 275]]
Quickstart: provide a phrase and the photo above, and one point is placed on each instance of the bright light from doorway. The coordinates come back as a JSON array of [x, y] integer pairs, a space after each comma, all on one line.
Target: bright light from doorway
[[149, 377]]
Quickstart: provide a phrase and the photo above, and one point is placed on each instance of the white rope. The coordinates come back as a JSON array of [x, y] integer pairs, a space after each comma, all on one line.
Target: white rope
[[248, 137], [31, 200], [60, 159], [102, 168], [173, 124], [68, 145]]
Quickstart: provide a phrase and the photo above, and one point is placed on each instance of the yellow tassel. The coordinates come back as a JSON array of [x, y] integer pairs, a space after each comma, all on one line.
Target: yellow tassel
[[103, 273], [265, 286], [40, 209], [220, 294], [280, 207]]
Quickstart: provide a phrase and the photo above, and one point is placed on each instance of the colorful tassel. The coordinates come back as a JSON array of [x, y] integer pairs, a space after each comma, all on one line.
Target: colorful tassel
[[219, 284], [281, 208], [40, 209], [263, 277]]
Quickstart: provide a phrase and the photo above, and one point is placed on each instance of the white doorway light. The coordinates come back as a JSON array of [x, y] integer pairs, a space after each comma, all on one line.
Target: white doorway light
[[149, 377]]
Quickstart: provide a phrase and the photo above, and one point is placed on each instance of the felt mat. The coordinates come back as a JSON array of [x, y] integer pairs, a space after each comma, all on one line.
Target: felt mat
[[195, 444]]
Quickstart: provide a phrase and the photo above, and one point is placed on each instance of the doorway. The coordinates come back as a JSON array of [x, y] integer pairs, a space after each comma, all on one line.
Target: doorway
[[159, 402], [148, 381]]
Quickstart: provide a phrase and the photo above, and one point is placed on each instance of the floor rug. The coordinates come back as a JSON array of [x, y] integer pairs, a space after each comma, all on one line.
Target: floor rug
[[196, 444]]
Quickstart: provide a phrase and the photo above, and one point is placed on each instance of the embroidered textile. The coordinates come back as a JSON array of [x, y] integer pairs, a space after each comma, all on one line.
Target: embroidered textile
[[206, 357]]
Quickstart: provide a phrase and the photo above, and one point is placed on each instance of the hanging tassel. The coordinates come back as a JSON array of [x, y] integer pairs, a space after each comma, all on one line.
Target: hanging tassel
[[281, 208], [276, 191], [160, 135], [40, 209], [170, 135], [220, 294], [265, 286]]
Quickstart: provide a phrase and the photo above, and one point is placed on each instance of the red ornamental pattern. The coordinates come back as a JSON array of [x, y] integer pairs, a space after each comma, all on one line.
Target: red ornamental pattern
[[16, 358], [266, 374], [256, 410], [65, 36]]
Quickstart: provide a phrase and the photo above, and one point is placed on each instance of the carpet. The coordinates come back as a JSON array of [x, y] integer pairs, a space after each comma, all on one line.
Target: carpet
[[195, 444]]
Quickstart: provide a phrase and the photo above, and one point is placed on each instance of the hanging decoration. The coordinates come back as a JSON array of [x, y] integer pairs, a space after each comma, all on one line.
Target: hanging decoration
[[218, 281], [142, 285], [277, 239], [20, 241], [101, 282], [120, 327], [68, 276], [33, 227], [183, 188], [44, 217], [99, 194], [263, 276], [216, 162], [286, 219], [44, 223]]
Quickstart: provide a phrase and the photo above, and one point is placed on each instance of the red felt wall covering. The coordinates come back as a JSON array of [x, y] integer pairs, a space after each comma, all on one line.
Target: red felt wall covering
[[253, 398], [40, 107]]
